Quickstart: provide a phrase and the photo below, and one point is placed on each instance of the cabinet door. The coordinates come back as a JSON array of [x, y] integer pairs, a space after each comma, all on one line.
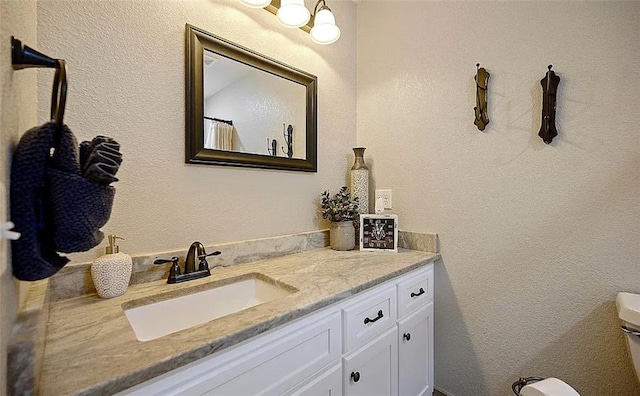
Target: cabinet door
[[415, 345], [327, 383], [373, 369]]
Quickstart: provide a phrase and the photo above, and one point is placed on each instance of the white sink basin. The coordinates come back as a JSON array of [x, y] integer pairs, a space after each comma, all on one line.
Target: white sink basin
[[158, 319]]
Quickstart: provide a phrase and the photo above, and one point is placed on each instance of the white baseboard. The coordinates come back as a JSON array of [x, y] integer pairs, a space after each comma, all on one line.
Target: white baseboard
[[444, 392]]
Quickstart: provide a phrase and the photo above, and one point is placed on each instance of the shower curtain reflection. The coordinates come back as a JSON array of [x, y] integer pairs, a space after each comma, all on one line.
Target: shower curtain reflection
[[218, 135]]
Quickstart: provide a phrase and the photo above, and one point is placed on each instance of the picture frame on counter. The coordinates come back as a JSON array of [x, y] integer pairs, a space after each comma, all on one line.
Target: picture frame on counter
[[379, 233]]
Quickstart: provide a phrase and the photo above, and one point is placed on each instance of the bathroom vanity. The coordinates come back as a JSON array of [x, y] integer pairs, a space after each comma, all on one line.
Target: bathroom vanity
[[378, 342], [347, 323]]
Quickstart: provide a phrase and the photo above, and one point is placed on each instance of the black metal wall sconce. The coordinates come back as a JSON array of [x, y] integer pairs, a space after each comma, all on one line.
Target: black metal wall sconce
[[482, 81], [549, 84], [23, 57], [288, 139], [272, 147], [321, 25]]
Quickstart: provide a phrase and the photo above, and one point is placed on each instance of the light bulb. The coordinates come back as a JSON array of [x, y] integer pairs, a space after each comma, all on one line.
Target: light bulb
[[324, 30], [293, 13], [256, 3]]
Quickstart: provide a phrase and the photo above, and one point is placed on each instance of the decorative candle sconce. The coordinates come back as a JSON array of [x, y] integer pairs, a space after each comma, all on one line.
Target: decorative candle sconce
[[482, 82], [549, 90], [272, 147], [288, 139]]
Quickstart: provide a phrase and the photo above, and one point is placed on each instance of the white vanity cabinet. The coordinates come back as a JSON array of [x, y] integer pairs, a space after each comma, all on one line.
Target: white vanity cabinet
[[415, 334], [373, 369], [378, 342], [399, 362], [415, 348], [370, 363]]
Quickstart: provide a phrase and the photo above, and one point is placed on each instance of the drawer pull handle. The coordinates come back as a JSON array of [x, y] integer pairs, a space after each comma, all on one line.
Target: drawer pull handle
[[369, 320], [407, 336], [355, 376], [421, 292]]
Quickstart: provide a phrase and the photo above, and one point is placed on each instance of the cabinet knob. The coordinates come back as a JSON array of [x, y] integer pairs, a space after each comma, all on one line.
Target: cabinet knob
[[407, 336], [355, 376], [419, 293]]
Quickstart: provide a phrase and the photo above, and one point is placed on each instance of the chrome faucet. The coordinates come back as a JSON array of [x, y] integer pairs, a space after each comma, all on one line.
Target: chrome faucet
[[196, 250]]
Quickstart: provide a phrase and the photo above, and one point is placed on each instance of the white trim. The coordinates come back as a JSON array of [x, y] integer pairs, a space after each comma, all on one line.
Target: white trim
[[444, 392]]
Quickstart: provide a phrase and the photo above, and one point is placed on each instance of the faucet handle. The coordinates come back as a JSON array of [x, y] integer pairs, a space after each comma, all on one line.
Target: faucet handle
[[175, 268], [173, 259], [216, 253], [204, 265]]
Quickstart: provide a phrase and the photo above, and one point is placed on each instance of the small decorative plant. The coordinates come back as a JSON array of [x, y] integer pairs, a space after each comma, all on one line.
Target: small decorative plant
[[340, 207]]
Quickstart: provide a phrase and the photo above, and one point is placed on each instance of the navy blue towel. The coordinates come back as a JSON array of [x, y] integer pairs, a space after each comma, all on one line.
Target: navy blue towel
[[34, 255], [78, 206], [53, 206]]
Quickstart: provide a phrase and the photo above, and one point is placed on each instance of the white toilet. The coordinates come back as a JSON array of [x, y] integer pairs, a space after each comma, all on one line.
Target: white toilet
[[534, 386], [629, 312]]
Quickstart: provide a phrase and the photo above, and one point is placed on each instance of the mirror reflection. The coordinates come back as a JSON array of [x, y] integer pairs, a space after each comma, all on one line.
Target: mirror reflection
[[246, 109], [251, 111]]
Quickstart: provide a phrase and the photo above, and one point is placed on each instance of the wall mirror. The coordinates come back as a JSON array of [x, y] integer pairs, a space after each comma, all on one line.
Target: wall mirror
[[245, 109]]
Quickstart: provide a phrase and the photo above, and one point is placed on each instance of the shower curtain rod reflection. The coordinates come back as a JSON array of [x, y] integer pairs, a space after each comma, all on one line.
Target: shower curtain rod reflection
[[219, 120]]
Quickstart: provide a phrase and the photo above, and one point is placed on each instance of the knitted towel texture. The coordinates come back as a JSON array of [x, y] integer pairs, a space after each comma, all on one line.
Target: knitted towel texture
[[78, 206], [53, 206], [100, 159], [34, 254]]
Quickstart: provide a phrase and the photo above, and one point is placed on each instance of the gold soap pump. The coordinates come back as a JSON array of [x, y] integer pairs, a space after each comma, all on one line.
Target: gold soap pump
[[113, 248], [111, 272]]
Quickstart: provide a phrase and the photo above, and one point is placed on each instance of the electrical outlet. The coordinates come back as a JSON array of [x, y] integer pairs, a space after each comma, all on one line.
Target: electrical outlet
[[386, 197]]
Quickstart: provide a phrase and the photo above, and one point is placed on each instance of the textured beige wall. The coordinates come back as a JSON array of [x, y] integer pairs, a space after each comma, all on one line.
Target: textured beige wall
[[260, 104], [17, 114], [126, 71], [536, 239]]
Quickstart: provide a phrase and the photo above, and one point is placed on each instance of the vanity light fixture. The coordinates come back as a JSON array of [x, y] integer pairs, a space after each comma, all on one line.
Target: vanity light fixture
[[256, 3], [324, 30], [293, 14]]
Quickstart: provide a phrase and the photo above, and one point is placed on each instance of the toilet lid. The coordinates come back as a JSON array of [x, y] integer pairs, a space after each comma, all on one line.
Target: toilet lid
[[629, 307], [548, 387]]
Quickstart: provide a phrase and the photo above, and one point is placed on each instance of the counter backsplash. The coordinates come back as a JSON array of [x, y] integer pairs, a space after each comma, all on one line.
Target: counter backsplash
[[75, 280]]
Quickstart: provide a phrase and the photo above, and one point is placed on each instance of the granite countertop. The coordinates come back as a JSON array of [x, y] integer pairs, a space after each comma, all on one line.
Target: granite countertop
[[91, 349]]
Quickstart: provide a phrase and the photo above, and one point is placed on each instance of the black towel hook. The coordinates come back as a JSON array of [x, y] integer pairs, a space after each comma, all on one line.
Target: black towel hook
[[23, 57]]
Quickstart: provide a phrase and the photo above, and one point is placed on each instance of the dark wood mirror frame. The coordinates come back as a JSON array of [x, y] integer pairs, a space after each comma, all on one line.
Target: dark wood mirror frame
[[197, 40]]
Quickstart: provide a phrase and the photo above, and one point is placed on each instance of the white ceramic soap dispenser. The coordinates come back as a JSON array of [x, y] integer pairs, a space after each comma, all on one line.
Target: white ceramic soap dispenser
[[111, 273]]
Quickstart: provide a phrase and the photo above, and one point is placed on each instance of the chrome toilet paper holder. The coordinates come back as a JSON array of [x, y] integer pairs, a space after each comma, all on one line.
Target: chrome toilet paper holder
[[522, 382]]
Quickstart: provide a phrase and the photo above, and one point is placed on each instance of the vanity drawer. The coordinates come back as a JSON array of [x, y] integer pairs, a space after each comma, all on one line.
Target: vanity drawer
[[415, 292], [369, 317]]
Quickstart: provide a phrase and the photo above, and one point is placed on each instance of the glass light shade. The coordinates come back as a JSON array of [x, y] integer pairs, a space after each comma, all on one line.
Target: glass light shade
[[293, 13], [324, 30], [256, 3]]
